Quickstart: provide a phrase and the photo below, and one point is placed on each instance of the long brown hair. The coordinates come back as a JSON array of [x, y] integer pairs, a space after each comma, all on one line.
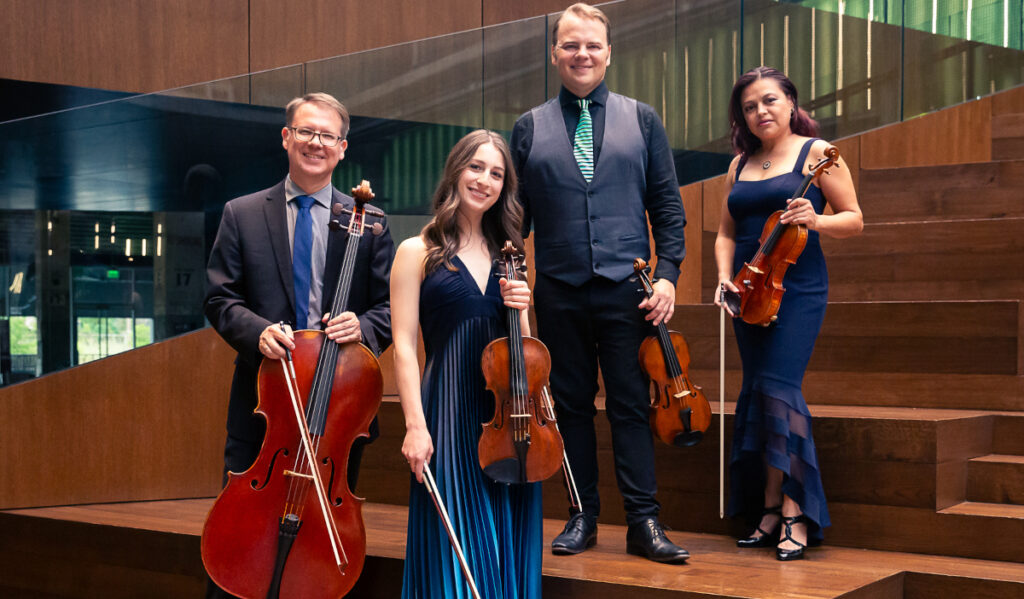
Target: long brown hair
[[743, 140], [502, 221]]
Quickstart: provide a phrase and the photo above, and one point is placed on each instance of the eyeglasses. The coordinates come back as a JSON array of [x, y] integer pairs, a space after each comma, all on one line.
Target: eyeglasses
[[328, 140]]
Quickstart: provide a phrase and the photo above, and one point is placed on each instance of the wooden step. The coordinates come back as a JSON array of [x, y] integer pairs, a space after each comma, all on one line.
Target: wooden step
[[954, 260], [942, 337], [151, 549], [895, 389], [1008, 433], [1008, 135], [881, 463], [957, 191], [968, 259], [1011, 514], [996, 478]]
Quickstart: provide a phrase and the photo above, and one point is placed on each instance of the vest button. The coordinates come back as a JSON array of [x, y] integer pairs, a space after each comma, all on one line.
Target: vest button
[[596, 242]]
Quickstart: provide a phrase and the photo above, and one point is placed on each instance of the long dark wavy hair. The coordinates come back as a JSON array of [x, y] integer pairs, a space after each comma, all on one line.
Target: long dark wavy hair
[[743, 140], [502, 221]]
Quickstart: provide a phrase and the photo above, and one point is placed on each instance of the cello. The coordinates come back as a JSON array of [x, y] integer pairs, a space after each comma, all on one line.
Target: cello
[[521, 443], [760, 280], [289, 526], [680, 413]]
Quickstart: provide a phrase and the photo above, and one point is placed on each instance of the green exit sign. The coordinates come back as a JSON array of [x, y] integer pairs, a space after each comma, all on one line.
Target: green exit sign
[[113, 274]]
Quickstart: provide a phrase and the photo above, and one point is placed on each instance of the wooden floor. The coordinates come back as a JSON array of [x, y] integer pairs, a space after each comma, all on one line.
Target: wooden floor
[[716, 569]]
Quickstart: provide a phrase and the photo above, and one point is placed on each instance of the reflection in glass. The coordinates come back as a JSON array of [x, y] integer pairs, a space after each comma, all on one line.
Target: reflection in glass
[[110, 207]]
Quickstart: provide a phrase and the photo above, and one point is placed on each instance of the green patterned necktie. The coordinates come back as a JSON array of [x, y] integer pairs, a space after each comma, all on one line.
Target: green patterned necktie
[[583, 142]]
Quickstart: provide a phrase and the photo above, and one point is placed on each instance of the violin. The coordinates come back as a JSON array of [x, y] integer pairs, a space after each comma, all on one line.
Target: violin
[[680, 413], [289, 526], [760, 280], [521, 442]]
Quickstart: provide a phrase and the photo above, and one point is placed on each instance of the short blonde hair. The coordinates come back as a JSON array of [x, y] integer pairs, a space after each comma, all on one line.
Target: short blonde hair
[[583, 11], [318, 98]]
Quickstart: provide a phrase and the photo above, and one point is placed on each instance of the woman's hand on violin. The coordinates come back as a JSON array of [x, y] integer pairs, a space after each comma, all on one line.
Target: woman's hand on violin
[[417, 449], [343, 328], [515, 294], [662, 304], [723, 286], [275, 339], [800, 212]]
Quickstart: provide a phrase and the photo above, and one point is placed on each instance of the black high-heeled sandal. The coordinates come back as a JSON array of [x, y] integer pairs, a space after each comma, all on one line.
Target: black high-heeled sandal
[[786, 555], [768, 537]]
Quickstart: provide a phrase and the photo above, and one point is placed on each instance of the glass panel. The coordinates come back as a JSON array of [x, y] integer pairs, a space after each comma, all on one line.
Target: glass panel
[[112, 201]]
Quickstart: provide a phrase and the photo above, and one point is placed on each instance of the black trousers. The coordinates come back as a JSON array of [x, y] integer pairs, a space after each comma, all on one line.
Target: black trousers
[[239, 454], [599, 323]]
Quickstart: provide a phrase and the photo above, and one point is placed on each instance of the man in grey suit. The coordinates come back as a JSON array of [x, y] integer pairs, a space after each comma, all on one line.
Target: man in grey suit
[[593, 167], [275, 260]]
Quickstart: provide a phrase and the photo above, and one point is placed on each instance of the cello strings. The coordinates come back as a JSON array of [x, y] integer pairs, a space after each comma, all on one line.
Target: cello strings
[[319, 396]]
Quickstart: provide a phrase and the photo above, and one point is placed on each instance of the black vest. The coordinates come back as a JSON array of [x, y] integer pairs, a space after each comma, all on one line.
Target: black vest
[[585, 230]]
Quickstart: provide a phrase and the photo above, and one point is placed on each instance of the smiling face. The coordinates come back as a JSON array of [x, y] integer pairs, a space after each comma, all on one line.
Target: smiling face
[[766, 109], [310, 163], [581, 53], [481, 182]]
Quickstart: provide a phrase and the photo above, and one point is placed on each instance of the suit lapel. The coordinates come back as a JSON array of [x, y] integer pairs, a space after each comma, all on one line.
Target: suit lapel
[[275, 212]]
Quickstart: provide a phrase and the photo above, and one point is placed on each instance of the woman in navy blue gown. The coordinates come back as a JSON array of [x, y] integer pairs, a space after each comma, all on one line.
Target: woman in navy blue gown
[[443, 283], [774, 468]]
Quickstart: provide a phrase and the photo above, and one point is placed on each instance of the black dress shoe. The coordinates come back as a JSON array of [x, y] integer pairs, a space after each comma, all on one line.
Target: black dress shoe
[[579, 534], [786, 555], [647, 539], [767, 537]]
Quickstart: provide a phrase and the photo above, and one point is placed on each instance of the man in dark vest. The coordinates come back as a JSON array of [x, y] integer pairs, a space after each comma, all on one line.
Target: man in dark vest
[[593, 166]]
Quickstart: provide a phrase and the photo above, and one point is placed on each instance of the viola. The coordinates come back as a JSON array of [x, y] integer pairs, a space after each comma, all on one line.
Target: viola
[[289, 526], [760, 280], [680, 413], [521, 442]]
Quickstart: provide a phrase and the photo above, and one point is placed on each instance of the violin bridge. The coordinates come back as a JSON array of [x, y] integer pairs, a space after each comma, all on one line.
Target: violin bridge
[[519, 415], [755, 269], [681, 395], [298, 474]]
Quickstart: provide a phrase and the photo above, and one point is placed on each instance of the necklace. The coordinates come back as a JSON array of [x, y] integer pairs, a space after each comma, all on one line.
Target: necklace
[[767, 164]]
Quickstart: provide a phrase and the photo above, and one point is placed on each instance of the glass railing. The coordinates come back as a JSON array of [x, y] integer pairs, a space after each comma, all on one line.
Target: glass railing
[[108, 210]]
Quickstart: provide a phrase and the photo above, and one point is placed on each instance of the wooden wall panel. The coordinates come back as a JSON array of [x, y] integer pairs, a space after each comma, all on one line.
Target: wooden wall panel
[[146, 424], [301, 30], [1008, 102], [502, 11], [849, 157], [962, 133], [129, 45], [688, 285], [714, 195]]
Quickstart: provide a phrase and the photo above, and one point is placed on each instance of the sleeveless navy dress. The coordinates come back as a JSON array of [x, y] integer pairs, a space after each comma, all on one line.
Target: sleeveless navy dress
[[498, 525], [773, 424]]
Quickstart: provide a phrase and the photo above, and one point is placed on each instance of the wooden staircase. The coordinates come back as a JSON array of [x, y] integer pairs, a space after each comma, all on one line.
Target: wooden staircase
[[916, 387]]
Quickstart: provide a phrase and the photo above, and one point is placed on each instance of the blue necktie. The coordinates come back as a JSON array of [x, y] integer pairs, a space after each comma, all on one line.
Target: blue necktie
[[302, 256]]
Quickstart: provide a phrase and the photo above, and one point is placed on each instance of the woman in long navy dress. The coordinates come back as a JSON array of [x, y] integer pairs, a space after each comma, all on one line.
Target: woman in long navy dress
[[443, 283], [774, 468]]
